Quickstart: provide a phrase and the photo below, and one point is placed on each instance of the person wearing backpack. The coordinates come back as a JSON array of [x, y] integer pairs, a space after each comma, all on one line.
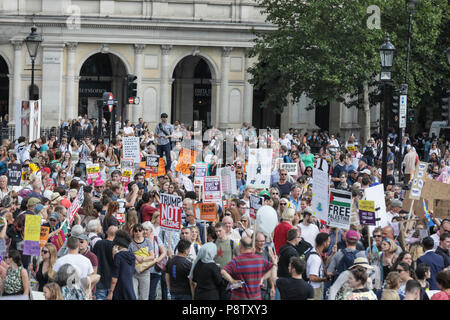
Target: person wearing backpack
[[345, 258], [315, 268], [287, 251]]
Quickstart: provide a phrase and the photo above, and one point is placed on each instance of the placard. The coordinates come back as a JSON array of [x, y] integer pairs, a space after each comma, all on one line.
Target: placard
[[170, 212], [320, 191], [201, 171], [376, 194], [367, 215], [14, 174], [44, 235], [185, 159], [339, 209], [228, 178], [58, 239], [92, 172], [151, 165], [131, 148], [259, 168], [256, 202], [419, 178], [212, 190], [291, 168], [127, 166], [205, 211]]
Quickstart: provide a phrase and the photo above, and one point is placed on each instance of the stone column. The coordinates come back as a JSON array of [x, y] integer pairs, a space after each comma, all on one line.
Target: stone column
[[248, 92], [71, 110], [165, 51], [133, 113], [17, 82], [224, 97]]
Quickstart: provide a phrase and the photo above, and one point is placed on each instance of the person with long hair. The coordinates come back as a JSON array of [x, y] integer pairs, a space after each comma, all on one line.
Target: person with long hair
[[112, 162], [422, 274], [393, 283], [17, 281], [131, 220], [67, 163], [356, 280], [100, 147], [45, 272], [388, 256], [110, 219], [406, 273], [156, 222], [52, 291]]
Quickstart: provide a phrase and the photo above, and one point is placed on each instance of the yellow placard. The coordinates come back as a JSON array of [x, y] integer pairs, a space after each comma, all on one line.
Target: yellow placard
[[32, 228], [366, 205], [93, 169]]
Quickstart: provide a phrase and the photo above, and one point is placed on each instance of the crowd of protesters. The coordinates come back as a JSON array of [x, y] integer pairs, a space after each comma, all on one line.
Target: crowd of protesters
[[115, 248]]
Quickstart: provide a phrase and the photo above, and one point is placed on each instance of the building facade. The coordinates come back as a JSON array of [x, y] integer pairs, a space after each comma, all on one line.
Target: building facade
[[190, 58]]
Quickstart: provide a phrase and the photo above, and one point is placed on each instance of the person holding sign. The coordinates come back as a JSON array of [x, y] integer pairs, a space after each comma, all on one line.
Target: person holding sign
[[163, 133]]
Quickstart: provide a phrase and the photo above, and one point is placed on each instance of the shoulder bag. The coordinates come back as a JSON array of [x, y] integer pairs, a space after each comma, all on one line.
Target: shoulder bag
[[143, 252]]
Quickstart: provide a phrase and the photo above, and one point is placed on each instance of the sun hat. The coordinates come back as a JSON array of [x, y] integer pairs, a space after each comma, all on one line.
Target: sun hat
[[361, 262]]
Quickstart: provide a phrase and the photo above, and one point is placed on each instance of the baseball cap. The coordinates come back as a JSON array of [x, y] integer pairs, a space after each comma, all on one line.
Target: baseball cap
[[308, 210], [46, 169], [366, 171], [33, 201], [54, 215], [164, 115], [38, 208], [264, 194], [396, 203], [352, 235]]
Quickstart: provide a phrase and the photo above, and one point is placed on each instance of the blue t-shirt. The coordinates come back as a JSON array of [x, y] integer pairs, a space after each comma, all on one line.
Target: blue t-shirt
[[2, 168], [43, 148]]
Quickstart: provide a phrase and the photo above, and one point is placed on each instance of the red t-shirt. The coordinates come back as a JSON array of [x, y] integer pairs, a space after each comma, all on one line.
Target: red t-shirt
[[147, 212], [280, 235]]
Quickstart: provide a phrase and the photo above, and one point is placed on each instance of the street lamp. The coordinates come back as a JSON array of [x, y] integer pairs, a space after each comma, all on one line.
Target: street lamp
[[33, 41], [387, 51]]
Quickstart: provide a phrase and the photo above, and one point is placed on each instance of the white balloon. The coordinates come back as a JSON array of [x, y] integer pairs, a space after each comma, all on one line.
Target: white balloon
[[266, 219]]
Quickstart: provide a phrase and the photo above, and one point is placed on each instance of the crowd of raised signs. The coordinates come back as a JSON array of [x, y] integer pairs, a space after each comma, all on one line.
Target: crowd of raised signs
[[138, 217]]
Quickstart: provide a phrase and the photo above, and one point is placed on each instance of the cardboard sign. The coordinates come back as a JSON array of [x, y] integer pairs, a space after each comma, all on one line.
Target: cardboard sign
[[127, 166], [437, 195], [256, 202], [367, 215], [212, 190], [131, 148], [420, 176], [187, 183], [185, 159], [291, 168], [32, 228], [44, 235], [92, 172], [376, 194], [58, 239], [228, 178], [170, 212], [339, 209], [201, 171], [259, 168], [152, 164], [205, 211], [320, 191], [14, 174]]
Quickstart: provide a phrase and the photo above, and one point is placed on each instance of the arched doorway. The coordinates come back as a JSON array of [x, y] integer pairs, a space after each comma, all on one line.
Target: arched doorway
[[101, 72], [192, 92], [4, 87]]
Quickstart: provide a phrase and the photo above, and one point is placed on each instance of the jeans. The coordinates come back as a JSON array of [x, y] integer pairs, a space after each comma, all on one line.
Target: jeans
[[163, 286], [165, 149], [181, 297], [101, 294], [154, 279]]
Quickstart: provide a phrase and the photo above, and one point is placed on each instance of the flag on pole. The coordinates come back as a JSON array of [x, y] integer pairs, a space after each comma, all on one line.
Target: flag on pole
[[428, 219], [75, 206]]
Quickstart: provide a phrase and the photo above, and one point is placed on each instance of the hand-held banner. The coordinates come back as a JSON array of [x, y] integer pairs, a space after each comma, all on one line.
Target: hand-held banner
[[340, 208], [170, 208], [212, 189], [255, 203], [75, 206], [32, 235], [205, 211]]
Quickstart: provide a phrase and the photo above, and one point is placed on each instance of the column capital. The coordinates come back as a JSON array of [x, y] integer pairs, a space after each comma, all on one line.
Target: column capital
[[139, 48], [165, 49], [71, 46], [226, 51], [17, 44]]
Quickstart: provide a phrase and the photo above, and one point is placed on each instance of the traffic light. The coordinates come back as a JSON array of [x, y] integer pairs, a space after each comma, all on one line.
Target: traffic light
[[410, 114], [393, 117], [446, 109], [131, 87]]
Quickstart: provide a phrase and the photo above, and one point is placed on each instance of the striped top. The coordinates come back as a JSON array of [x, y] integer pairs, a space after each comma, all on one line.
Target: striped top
[[249, 267]]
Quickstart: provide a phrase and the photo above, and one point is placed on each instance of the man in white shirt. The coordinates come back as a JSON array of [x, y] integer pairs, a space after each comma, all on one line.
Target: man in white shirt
[[82, 265], [334, 143], [309, 229], [314, 265], [396, 207], [231, 233]]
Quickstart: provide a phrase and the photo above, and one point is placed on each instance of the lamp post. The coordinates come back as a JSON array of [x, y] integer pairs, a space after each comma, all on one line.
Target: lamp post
[[387, 51], [33, 40], [411, 6]]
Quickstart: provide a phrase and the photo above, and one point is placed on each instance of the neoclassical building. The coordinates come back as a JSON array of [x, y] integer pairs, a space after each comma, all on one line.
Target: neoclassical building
[[190, 58]]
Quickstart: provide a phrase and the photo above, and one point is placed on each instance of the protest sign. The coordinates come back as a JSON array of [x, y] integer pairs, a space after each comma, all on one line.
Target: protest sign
[[320, 193], [151, 165], [76, 205], [170, 212], [185, 159], [58, 239], [44, 235], [131, 149], [367, 212], [255, 203], [339, 209], [187, 183], [201, 171], [161, 167], [92, 172], [291, 168], [32, 235], [437, 195], [376, 194], [228, 178], [259, 168], [418, 180], [205, 211], [212, 190], [127, 166], [14, 174]]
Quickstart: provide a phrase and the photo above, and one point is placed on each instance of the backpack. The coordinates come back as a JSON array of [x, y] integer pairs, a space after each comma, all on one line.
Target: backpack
[[232, 247], [305, 257], [346, 261]]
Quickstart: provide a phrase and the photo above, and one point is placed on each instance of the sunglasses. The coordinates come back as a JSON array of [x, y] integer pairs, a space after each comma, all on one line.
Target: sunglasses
[[283, 204], [139, 230], [399, 270], [44, 251], [189, 215], [378, 236], [283, 174], [275, 193]]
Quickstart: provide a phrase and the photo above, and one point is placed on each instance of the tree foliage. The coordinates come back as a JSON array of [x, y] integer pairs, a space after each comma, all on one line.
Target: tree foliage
[[326, 50]]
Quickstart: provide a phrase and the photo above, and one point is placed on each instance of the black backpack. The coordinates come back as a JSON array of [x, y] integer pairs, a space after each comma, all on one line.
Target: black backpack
[[346, 261], [305, 257]]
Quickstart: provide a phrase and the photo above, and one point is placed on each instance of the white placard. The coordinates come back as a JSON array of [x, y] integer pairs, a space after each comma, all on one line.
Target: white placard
[[320, 194], [259, 168], [291, 168], [376, 193], [131, 149]]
